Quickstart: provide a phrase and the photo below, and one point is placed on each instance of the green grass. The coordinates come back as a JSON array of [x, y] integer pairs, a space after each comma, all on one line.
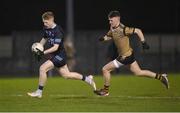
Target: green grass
[[127, 94]]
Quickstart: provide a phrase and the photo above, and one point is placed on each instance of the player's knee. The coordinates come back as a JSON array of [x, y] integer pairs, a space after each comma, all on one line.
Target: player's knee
[[105, 70], [138, 73], [65, 75], [42, 69]]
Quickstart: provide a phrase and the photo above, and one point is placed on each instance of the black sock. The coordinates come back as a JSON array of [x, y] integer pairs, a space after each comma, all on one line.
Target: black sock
[[106, 87], [41, 87], [158, 76], [83, 77]]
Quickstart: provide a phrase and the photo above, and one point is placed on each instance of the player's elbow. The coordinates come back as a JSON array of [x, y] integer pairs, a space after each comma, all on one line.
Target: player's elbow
[[56, 47], [138, 31]]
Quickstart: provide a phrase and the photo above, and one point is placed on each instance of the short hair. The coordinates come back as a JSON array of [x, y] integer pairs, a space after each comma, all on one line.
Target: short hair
[[114, 14], [47, 15]]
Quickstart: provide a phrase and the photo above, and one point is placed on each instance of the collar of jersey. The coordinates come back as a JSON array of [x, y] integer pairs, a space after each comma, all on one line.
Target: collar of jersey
[[53, 26], [116, 27]]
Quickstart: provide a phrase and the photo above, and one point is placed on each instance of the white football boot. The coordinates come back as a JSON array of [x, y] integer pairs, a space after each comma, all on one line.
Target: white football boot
[[164, 80], [37, 94], [91, 82]]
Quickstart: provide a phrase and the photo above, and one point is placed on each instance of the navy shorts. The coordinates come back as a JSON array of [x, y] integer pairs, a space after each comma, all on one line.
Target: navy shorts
[[59, 60]]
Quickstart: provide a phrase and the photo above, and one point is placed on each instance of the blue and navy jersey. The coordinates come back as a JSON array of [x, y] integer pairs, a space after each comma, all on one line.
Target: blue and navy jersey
[[55, 36]]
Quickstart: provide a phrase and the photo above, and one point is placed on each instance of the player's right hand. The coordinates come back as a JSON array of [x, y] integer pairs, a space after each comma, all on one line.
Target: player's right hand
[[38, 55], [101, 39], [39, 52]]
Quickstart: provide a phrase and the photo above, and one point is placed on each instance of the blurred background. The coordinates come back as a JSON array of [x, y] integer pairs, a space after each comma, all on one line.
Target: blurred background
[[84, 21]]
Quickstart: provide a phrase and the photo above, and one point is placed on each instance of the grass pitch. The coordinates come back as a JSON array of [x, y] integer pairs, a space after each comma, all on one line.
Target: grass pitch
[[127, 94]]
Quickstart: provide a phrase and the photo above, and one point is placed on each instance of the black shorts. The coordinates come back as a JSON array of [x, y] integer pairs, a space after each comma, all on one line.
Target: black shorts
[[127, 60], [59, 60]]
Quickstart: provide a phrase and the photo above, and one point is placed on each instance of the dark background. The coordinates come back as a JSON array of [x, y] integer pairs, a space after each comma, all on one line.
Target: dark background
[[153, 16], [21, 25]]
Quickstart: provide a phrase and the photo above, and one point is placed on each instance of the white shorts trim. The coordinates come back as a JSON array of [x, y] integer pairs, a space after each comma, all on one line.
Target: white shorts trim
[[117, 63]]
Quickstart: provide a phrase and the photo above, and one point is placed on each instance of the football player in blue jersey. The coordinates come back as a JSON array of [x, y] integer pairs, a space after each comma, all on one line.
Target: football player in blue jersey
[[54, 36]]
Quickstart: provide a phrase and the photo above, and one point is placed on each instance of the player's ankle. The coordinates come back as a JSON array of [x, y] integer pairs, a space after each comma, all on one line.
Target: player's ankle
[[158, 76], [106, 87]]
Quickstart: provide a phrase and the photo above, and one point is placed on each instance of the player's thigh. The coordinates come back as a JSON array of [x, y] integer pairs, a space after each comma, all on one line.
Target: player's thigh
[[46, 66], [64, 71], [134, 67], [109, 67]]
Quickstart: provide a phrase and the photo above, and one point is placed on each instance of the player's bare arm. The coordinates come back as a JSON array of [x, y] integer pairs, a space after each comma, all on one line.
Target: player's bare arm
[[140, 34], [141, 37], [52, 49], [43, 41]]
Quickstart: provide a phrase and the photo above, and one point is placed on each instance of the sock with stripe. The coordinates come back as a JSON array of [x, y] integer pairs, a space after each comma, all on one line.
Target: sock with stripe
[[158, 76]]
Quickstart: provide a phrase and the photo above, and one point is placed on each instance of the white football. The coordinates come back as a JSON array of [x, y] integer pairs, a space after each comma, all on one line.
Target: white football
[[37, 46]]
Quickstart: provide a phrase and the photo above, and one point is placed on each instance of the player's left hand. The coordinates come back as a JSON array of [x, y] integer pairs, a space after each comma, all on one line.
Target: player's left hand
[[145, 45]]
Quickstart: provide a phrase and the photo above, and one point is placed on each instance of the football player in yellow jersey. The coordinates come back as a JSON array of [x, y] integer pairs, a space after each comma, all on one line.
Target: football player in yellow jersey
[[120, 34]]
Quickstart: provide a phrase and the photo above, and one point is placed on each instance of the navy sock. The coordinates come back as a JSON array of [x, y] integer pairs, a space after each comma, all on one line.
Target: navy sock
[[83, 78], [41, 87]]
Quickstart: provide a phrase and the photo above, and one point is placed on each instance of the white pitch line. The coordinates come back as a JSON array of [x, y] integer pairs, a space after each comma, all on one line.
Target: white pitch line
[[120, 96], [16, 95], [147, 97], [59, 95]]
